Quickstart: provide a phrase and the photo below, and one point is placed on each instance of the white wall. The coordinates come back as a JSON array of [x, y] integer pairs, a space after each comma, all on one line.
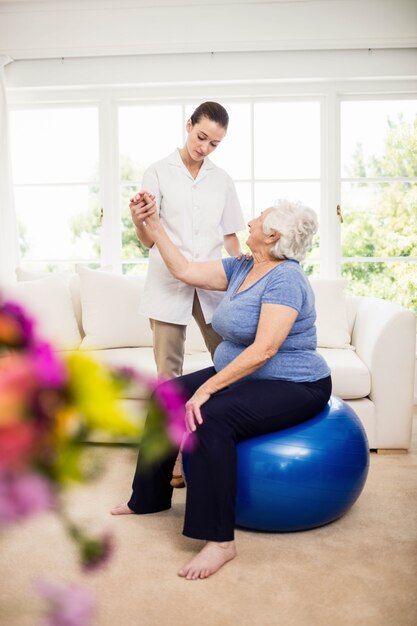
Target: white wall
[[68, 28], [236, 73]]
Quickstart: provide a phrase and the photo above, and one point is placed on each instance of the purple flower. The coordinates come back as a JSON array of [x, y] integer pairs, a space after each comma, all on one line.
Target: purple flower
[[18, 326], [67, 606], [49, 370], [22, 495], [172, 401]]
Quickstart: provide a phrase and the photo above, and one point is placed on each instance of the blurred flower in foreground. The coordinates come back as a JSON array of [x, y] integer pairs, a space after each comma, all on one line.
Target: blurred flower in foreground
[[165, 416], [22, 495], [94, 552], [16, 328], [67, 606], [49, 405]]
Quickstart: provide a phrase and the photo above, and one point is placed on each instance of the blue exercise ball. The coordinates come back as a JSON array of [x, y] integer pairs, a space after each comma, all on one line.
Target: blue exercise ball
[[301, 477], [305, 476]]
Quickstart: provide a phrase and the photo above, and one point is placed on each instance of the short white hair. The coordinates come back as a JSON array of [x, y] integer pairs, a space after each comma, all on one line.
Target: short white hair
[[297, 225]]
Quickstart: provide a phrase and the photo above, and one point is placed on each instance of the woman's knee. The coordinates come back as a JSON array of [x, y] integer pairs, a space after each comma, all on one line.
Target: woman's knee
[[214, 427]]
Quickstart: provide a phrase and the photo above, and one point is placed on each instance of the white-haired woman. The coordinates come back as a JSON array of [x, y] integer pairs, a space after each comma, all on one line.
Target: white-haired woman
[[267, 374]]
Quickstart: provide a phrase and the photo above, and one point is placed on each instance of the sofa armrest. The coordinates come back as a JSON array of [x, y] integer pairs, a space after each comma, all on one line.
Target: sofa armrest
[[384, 336]]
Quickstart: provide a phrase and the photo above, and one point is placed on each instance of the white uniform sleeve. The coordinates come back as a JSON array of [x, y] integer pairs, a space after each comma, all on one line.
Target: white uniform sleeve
[[232, 218], [150, 182]]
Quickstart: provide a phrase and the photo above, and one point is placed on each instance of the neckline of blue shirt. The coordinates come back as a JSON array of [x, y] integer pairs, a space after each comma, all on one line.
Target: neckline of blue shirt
[[235, 292]]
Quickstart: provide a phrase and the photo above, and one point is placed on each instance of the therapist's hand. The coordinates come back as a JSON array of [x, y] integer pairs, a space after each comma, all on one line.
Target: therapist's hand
[[193, 417]]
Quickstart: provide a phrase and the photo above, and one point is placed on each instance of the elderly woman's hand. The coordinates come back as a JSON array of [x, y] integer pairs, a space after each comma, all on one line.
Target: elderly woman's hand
[[192, 409]]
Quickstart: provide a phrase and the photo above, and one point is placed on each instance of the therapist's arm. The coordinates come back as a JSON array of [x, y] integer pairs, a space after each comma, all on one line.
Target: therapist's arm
[[232, 245], [206, 275]]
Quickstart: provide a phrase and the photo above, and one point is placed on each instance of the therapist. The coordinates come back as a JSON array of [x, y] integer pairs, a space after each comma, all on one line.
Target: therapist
[[199, 209]]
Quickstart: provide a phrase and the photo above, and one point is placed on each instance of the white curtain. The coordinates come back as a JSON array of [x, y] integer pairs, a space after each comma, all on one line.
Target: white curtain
[[9, 245]]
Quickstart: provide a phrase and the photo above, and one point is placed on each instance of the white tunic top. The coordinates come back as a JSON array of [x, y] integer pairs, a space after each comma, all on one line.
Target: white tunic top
[[196, 214]]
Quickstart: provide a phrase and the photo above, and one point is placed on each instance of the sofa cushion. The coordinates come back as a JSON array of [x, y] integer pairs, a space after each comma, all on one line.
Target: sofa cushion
[[110, 314], [142, 360], [73, 281], [194, 341], [332, 317], [49, 301], [350, 376]]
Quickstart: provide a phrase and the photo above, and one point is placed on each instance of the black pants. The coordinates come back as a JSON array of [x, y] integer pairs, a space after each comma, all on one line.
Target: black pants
[[241, 411]]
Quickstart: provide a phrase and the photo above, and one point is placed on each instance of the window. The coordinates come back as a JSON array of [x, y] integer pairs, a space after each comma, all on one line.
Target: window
[[55, 157], [147, 133], [287, 157], [283, 160], [71, 159], [379, 198]]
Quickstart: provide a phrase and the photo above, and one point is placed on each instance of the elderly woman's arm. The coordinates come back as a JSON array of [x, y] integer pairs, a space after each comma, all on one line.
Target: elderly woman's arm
[[206, 275], [275, 322]]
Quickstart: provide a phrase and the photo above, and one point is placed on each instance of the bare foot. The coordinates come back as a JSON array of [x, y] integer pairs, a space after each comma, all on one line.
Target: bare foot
[[209, 560], [121, 509]]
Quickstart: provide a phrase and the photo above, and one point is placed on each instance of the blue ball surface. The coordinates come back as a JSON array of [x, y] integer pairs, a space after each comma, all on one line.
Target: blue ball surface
[[305, 476]]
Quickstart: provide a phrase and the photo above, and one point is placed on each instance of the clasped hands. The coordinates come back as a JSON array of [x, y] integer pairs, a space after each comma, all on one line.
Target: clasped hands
[[143, 209]]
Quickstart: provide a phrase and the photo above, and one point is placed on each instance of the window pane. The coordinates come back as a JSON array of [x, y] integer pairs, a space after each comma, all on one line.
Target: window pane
[[376, 138], [137, 269], [394, 281], [147, 133], [306, 193], [59, 222], [131, 246], [55, 145], [311, 269], [380, 220], [287, 140], [245, 199], [234, 152]]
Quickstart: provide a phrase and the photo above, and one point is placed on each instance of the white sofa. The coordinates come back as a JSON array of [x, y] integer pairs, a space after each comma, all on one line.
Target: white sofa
[[368, 343]]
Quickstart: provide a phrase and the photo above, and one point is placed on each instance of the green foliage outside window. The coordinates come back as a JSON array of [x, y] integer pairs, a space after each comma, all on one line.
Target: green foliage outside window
[[91, 223], [388, 226], [380, 219]]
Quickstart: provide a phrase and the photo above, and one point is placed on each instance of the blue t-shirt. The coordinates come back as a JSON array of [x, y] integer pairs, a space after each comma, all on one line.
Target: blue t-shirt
[[237, 316]]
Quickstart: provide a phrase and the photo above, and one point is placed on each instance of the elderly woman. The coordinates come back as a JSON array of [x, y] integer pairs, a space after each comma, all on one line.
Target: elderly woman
[[267, 374]]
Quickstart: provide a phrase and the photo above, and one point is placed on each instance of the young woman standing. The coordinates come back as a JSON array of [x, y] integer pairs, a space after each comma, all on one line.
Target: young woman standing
[[199, 208]]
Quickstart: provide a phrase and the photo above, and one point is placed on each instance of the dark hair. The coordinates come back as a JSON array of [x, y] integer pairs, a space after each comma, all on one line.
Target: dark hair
[[214, 111]]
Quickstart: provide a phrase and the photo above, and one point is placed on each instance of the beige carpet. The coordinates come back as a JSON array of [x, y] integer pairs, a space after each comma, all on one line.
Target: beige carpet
[[358, 571]]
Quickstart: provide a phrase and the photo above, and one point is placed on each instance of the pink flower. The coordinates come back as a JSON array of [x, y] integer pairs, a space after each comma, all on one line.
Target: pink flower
[[22, 495], [16, 386], [17, 445], [67, 606]]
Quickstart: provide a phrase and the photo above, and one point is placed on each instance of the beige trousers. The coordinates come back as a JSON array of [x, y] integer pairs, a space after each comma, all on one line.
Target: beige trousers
[[169, 342]]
